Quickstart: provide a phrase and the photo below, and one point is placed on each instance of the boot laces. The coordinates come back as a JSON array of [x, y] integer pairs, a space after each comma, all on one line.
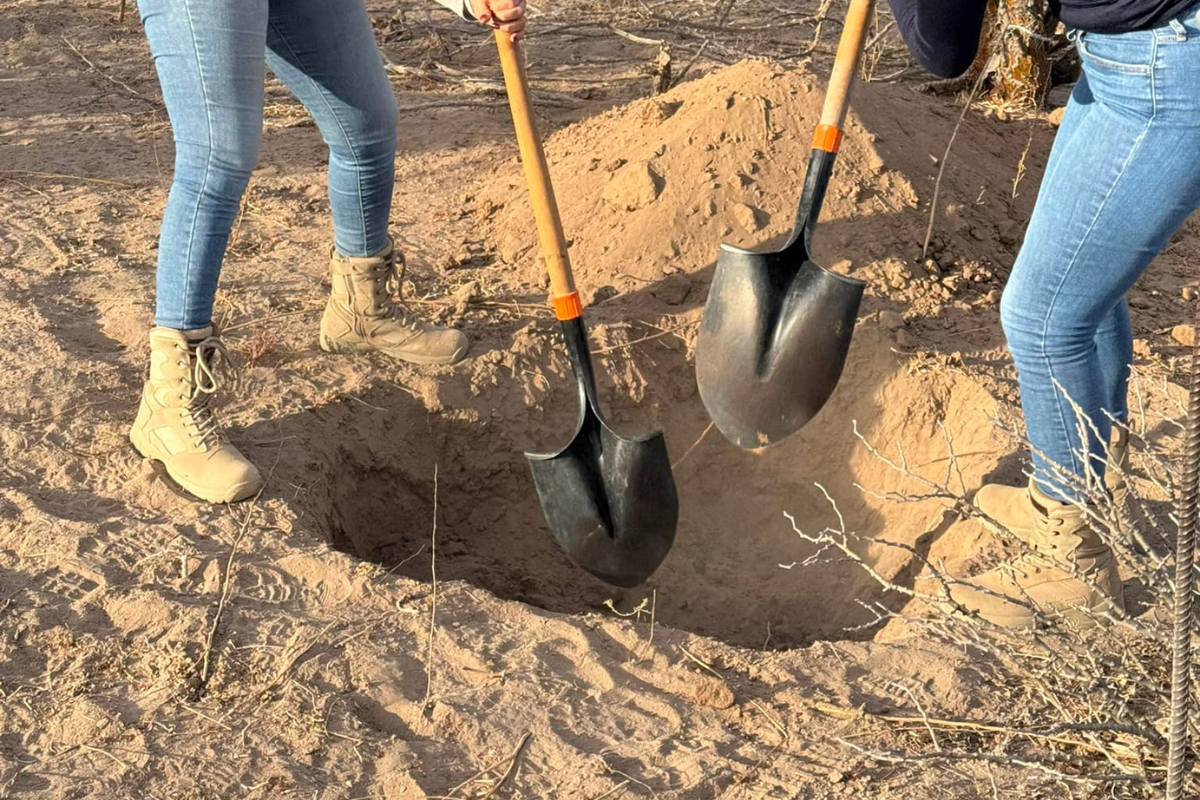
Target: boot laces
[[389, 283], [211, 371]]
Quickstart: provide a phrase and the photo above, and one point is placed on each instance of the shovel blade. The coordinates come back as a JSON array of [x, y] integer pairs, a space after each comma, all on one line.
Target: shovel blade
[[773, 342], [609, 501]]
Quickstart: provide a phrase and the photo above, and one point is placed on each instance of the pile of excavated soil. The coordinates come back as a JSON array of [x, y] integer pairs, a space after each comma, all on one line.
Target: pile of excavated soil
[[151, 646], [649, 190]]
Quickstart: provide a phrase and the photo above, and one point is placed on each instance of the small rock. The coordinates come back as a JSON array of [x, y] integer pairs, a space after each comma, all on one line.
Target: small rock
[[993, 297], [1189, 293], [1055, 117], [1142, 348], [657, 111], [603, 293], [511, 248], [710, 209], [708, 692], [632, 187], [931, 267], [463, 296], [748, 217], [468, 291], [952, 283], [464, 255], [1184, 334], [1009, 232], [485, 210]]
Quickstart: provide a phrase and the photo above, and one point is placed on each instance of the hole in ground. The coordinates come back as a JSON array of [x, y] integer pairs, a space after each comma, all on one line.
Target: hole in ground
[[724, 577]]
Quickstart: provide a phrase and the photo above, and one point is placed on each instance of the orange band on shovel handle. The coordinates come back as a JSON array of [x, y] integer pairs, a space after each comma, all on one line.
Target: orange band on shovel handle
[[568, 307], [827, 138]]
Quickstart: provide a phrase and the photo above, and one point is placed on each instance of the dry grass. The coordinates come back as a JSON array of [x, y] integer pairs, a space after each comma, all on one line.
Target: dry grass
[[1081, 708]]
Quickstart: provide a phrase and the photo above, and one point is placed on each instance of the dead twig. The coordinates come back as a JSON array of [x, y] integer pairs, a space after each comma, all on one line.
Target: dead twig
[[612, 791], [701, 664], [512, 766], [1044, 765], [937, 184], [433, 596], [627, 345], [54, 176], [1021, 166], [222, 601], [696, 443], [1054, 733], [105, 75]]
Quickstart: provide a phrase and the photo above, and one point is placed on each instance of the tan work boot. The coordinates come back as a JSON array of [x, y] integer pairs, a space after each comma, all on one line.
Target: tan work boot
[[1070, 573], [362, 314], [175, 424]]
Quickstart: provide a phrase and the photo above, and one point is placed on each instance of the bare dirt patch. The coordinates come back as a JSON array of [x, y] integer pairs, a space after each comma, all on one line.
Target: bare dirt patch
[[123, 672]]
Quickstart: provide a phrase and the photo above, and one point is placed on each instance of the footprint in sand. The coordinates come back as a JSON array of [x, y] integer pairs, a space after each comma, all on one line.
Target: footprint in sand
[[68, 585], [277, 632], [126, 550], [268, 584]]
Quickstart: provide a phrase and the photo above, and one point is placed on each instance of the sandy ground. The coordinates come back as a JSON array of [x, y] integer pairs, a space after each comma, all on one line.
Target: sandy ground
[[297, 645]]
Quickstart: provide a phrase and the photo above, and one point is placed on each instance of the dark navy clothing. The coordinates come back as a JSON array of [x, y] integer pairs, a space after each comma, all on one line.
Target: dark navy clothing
[[943, 35]]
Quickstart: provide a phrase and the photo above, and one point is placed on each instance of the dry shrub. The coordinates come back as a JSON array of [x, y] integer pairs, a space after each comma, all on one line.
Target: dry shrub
[[1082, 709]]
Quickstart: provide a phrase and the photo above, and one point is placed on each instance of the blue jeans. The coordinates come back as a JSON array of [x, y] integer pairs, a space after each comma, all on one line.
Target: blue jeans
[[1123, 175], [210, 55]]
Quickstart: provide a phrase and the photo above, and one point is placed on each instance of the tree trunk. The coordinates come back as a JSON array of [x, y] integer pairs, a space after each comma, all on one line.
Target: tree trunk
[[1020, 32]]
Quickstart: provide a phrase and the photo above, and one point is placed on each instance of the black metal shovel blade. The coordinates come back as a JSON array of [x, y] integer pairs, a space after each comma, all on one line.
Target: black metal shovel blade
[[773, 342], [609, 501]]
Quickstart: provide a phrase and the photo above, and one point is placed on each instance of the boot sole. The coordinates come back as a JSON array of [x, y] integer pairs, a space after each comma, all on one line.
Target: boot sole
[[238, 493], [1078, 619], [345, 348]]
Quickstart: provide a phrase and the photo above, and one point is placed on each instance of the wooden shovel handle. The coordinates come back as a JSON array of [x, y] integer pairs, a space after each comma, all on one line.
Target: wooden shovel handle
[[537, 175], [845, 65]]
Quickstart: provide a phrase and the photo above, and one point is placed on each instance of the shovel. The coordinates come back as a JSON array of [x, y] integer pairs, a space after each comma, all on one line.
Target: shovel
[[777, 326], [610, 501]]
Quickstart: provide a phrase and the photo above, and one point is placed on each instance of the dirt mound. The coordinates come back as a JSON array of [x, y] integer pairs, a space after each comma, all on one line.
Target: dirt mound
[[649, 190]]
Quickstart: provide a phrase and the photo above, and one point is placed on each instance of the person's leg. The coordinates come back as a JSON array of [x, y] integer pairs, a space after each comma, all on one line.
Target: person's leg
[[1124, 180], [209, 57], [1123, 177], [325, 51], [1114, 351]]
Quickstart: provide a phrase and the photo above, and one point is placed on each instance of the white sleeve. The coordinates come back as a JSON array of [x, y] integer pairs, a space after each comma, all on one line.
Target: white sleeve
[[460, 7]]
